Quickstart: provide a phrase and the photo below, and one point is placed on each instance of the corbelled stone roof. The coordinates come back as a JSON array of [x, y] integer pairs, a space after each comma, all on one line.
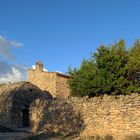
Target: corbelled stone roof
[[15, 97], [22, 91]]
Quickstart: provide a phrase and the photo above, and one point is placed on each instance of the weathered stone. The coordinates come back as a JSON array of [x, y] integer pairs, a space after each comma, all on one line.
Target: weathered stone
[[15, 100], [116, 116], [52, 82], [56, 116]]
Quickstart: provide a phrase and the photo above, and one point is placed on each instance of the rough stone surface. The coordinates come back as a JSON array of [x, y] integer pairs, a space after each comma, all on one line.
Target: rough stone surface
[[14, 98], [52, 82], [55, 116], [108, 117], [116, 116]]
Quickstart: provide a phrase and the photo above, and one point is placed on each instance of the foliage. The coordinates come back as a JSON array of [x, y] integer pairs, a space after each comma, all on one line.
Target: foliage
[[82, 80], [134, 65], [110, 70]]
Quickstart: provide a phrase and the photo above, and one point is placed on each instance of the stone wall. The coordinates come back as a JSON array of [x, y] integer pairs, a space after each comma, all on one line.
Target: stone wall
[[55, 117], [117, 116], [114, 116], [53, 82], [44, 80], [16, 97], [62, 87]]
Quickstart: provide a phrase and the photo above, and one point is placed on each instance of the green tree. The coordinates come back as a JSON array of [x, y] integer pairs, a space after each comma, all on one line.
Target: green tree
[[134, 67], [81, 82], [107, 71], [111, 63]]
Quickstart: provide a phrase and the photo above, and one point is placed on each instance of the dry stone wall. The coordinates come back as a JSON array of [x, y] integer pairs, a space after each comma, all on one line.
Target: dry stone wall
[[116, 117], [55, 116]]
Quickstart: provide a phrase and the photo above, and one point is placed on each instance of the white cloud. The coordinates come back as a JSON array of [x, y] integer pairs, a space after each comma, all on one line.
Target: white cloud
[[33, 67], [62, 73], [16, 44], [6, 46], [10, 72], [45, 70], [13, 76]]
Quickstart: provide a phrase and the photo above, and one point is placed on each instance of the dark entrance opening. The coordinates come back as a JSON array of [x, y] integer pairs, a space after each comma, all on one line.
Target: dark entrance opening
[[25, 117]]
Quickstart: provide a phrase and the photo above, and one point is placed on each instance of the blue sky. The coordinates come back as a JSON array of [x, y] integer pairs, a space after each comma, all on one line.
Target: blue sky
[[61, 33]]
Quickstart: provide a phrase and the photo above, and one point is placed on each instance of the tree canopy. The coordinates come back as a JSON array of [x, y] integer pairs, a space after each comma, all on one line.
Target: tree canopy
[[110, 70]]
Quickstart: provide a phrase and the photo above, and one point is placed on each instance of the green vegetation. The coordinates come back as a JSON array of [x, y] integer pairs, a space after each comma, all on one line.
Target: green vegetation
[[110, 70]]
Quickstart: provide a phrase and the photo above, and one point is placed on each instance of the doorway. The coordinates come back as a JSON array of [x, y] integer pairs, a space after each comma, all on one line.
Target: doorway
[[25, 117]]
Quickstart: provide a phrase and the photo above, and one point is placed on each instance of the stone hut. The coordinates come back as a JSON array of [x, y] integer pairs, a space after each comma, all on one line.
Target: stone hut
[[53, 82], [15, 100]]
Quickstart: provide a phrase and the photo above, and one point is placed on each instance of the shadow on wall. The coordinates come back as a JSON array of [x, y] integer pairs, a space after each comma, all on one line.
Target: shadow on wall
[[49, 95], [55, 117], [133, 137], [21, 101], [15, 100]]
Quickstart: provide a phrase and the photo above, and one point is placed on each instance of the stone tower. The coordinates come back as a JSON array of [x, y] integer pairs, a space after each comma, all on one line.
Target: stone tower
[[39, 66]]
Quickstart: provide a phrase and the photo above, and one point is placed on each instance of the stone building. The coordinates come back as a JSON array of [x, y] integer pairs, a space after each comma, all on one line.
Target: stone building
[[15, 100], [53, 82], [25, 104]]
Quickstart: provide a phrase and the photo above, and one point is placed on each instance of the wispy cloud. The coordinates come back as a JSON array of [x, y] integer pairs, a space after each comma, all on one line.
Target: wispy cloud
[[5, 47], [10, 72], [13, 76], [16, 44]]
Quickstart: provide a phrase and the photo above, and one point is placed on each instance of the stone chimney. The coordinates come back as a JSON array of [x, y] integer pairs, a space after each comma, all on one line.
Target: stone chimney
[[39, 66]]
